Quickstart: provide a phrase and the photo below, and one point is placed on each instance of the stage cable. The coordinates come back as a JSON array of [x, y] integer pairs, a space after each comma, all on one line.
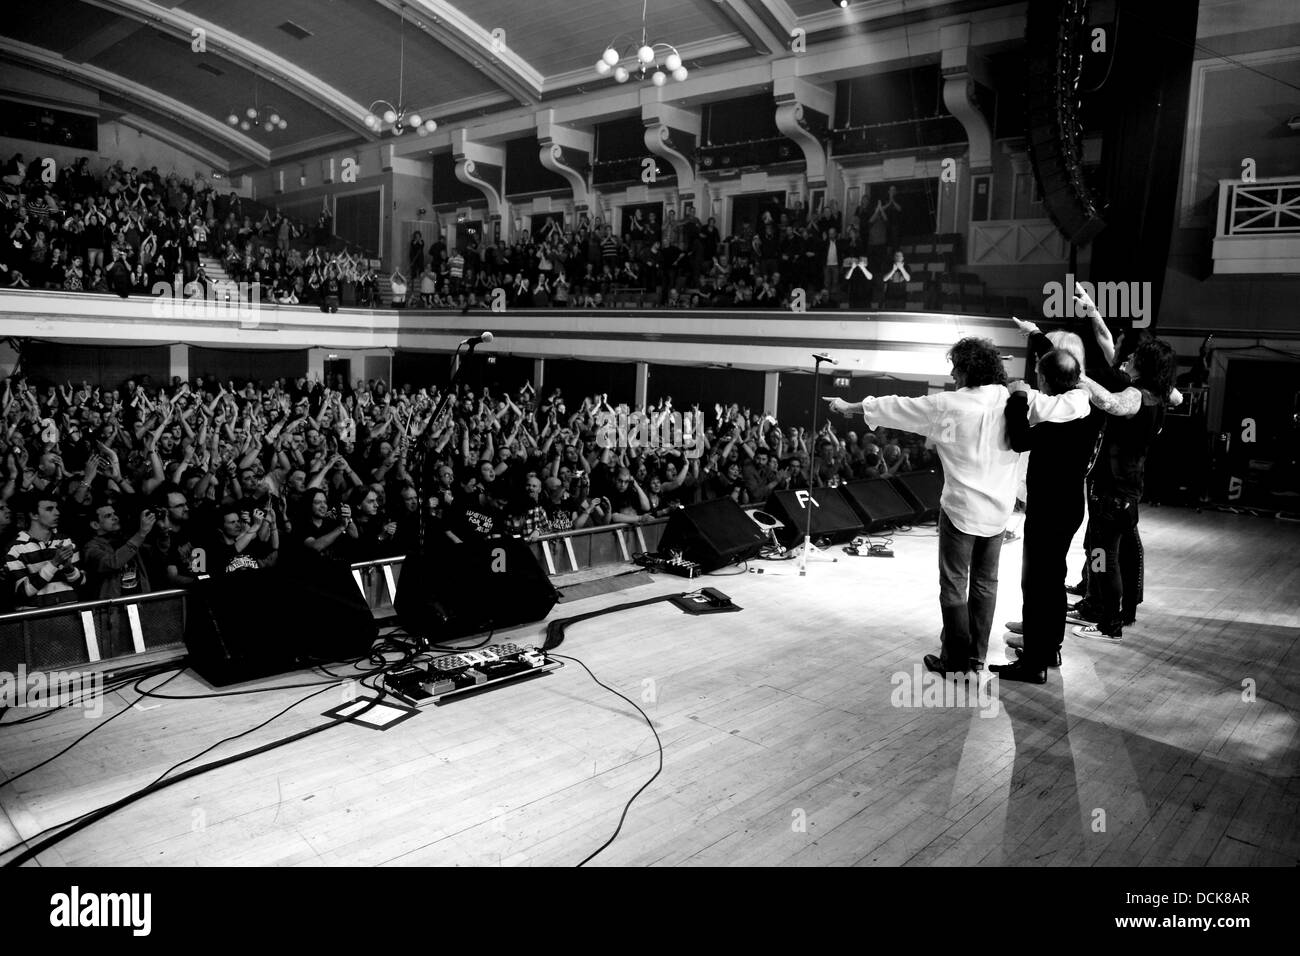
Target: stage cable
[[98, 725], [658, 770], [163, 781]]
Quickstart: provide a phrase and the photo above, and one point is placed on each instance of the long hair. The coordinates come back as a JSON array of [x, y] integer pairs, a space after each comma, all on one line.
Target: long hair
[[1067, 342], [978, 361], [1155, 365]]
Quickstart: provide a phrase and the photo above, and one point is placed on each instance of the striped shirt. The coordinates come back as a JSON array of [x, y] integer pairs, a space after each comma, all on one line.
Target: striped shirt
[[36, 582]]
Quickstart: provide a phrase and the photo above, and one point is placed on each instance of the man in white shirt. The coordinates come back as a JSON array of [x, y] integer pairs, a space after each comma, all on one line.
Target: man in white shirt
[[968, 427], [831, 262]]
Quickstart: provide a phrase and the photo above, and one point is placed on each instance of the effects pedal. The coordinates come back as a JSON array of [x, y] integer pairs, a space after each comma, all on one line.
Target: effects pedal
[[671, 563], [447, 676]]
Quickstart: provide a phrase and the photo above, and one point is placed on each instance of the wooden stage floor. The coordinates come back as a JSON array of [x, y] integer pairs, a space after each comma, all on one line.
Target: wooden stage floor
[[783, 742]]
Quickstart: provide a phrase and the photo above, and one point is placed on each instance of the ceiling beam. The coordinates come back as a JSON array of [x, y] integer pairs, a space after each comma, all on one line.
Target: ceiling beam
[[751, 27], [774, 14], [238, 50], [476, 45], [143, 96]]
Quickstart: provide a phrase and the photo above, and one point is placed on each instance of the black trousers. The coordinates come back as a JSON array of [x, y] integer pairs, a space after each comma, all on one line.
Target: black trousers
[[1050, 526], [1115, 569]]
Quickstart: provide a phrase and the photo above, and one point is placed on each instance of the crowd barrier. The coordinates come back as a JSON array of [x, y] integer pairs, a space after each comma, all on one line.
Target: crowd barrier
[[90, 632]]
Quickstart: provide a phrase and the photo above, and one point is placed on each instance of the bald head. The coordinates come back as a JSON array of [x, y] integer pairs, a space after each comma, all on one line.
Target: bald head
[[1058, 372]]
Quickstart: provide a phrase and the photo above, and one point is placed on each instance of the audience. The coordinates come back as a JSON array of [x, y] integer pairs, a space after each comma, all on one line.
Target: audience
[[123, 489], [125, 230]]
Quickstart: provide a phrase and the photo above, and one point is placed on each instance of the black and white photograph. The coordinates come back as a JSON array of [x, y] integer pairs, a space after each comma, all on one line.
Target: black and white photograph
[[652, 433]]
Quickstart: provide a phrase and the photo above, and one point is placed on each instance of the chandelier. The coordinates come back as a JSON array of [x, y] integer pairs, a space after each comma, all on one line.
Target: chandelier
[[398, 117], [263, 115], [642, 57]]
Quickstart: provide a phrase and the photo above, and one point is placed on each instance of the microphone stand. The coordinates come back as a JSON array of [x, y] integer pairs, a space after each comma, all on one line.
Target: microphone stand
[[447, 397], [808, 551]]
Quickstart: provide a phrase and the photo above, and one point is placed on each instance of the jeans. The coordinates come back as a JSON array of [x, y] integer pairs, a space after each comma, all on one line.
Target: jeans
[[831, 278], [968, 593], [1116, 560]]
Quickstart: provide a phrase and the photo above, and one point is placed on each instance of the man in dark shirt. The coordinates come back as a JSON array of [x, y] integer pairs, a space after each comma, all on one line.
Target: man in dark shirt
[[237, 546], [112, 562], [474, 513], [1134, 418], [627, 501], [1059, 460]]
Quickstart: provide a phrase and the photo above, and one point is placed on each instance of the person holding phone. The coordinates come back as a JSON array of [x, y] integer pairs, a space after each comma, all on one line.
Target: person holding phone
[[327, 531]]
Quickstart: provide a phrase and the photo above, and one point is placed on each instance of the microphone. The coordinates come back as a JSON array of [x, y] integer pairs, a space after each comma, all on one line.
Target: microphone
[[483, 338], [823, 357]]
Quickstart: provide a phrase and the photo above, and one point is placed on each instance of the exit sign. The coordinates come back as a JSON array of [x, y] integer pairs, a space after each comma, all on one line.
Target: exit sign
[[842, 382]]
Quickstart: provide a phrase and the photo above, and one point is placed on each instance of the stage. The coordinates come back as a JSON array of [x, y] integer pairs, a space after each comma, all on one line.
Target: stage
[[794, 733]]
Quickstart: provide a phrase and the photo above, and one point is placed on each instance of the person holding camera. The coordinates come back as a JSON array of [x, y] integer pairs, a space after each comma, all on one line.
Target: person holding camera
[[243, 541], [113, 564], [325, 530], [43, 564]]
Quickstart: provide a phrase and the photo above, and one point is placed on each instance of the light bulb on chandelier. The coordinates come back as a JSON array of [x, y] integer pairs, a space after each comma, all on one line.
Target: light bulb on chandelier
[[642, 57]]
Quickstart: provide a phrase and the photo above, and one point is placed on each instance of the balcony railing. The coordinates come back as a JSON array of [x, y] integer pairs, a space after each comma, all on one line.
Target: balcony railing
[[1258, 227]]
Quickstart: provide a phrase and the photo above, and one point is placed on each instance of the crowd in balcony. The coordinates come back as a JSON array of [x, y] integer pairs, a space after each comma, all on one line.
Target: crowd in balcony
[[124, 231], [108, 491], [680, 263]]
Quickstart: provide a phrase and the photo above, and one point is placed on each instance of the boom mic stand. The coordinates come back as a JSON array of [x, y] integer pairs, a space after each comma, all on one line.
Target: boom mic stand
[[427, 439], [808, 551]]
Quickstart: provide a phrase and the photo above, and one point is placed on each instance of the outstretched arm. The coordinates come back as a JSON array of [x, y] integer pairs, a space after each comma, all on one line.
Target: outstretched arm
[[1123, 404]]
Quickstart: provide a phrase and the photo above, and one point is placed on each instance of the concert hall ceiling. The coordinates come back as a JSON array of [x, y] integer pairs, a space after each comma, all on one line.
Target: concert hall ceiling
[[179, 69]]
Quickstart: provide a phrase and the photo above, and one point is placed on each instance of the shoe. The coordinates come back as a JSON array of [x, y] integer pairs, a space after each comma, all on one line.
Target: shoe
[[1016, 627], [1015, 640], [1075, 589], [1055, 662], [1020, 671], [1081, 614], [1095, 632], [933, 664]]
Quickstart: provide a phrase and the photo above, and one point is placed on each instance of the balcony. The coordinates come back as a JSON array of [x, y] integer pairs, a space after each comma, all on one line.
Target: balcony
[[1258, 227]]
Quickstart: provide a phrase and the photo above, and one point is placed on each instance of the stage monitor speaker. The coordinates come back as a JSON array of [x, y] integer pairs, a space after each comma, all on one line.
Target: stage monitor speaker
[[920, 489], [471, 588], [831, 515], [254, 623], [878, 503], [713, 534]]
